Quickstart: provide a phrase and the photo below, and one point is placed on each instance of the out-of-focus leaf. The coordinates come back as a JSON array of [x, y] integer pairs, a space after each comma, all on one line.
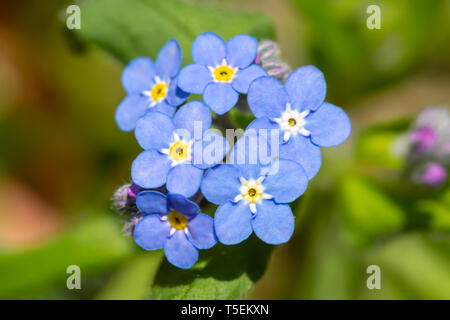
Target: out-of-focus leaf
[[240, 119], [356, 58], [92, 245], [133, 28], [223, 272], [132, 281], [415, 262], [438, 212], [368, 212], [377, 145]]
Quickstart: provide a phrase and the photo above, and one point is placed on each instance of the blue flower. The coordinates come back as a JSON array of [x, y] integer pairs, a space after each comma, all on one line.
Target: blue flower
[[174, 223], [254, 197], [177, 150], [298, 110], [151, 86], [221, 71]]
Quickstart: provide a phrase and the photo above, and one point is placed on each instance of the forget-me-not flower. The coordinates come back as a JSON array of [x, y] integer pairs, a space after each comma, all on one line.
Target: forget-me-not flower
[[174, 223], [177, 150], [298, 110], [254, 197], [221, 70], [151, 86]]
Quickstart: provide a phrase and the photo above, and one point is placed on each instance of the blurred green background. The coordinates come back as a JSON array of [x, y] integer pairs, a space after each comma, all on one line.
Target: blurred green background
[[63, 156]]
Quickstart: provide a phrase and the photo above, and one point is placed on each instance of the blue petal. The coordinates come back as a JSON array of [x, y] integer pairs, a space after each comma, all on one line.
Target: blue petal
[[301, 150], [250, 153], [194, 78], [208, 49], [175, 95], [151, 233], [241, 50], [329, 125], [220, 97], [149, 169], [195, 117], [154, 131], [149, 202], [286, 181], [179, 251], [221, 184], [168, 61], [232, 222], [243, 78], [138, 75], [306, 88], [164, 107], [201, 231], [184, 179], [183, 205], [263, 124], [273, 223], [209, 151], [130, 110], [267, 97]]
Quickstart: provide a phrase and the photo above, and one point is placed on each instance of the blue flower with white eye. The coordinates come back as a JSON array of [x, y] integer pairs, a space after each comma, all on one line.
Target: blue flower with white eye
[[254, 197], [151, 86], [174, 223], [177, 150], [221, 70], [298, 110]]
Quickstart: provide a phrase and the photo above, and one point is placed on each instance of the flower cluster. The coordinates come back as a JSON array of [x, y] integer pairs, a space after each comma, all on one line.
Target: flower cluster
[[426, 147], [186, 161]]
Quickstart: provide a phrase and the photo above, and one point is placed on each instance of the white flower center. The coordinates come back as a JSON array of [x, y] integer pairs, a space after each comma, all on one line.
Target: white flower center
[[179, 150], [292, 122], [223, 72], [252, 192], [158, 92]]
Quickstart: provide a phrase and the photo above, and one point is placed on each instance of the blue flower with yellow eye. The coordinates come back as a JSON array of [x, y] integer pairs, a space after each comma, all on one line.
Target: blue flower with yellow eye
[[221, 70], [177, 150], [299, 112], [174, 223], [253, 196], [151, 86]]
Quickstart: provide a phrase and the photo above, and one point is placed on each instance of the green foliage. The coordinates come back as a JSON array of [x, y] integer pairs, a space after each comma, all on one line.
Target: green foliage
[[356, 58], [223, 272], [368, 212], [128, 29], [131, 282], [93, 245]]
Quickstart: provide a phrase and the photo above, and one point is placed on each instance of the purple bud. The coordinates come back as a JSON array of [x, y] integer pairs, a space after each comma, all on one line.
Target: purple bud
[[133, 190], [434, 174], [424, 138]]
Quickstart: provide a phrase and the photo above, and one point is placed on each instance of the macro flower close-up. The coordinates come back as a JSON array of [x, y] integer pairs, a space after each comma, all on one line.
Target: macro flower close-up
[[151, 86], [221, 70], [297, 109], [208, 151], [174, 223], [177, 150], [253, 197]]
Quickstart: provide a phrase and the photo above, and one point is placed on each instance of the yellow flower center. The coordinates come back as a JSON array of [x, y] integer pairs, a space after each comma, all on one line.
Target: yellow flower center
[[292, 122], [159, 91], [177, 220], [223, 73], [179, 151], [252, 191]]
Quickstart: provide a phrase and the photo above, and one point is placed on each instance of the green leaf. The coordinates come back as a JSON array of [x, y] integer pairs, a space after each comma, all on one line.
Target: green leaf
[[368, 212], [223, 272], [132, 28], [93, 245], [438, 212], [376, 145], [131, 282]]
